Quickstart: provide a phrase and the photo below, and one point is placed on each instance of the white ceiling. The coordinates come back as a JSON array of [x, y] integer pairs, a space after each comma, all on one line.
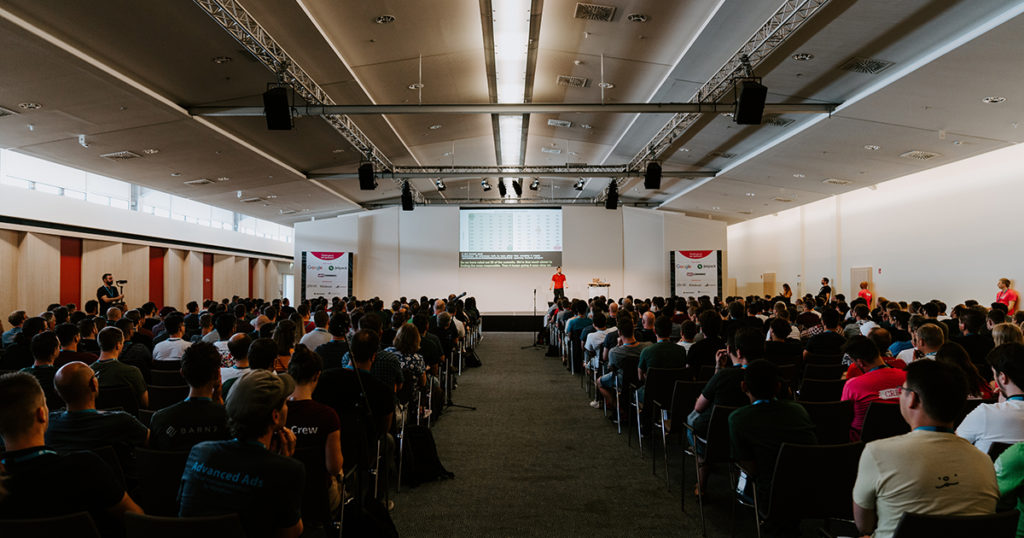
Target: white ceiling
[[125, 77]]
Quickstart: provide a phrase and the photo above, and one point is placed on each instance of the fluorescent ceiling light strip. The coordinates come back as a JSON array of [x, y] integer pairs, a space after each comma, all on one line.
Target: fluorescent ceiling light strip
[[511, 29], [896, 75]]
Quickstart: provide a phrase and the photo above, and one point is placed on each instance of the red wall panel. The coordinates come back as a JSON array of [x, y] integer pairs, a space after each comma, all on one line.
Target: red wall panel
[[156, 276], [71, 271], [207, 276], [252, 268]]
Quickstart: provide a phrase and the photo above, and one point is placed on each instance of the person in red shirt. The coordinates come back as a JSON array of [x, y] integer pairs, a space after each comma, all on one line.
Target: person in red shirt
[[558, 283], [1007, 296], [865, 293], [879, 382]]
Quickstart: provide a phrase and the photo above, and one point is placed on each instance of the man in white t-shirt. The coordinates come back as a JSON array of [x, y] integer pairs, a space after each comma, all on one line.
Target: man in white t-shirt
[[1001, 422], [930, 470], [927, 340], [592, 346], [319, 335], [174, 347]]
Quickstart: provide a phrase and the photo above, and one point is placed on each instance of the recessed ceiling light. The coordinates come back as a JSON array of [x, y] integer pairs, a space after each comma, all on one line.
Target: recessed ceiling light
[[384, 19], [435, 126], [573, 153], [220, 59], [175, 174], [30, 106], [270, 196], [636, 17], [416, 86], [585, 126], [750, 194], [993, 99], [222, 179], [799, 175], [872, 147], [684, 150], [606, 85], [150, 151], [803, 56], [339, 150], [957, 142], [715, 208]]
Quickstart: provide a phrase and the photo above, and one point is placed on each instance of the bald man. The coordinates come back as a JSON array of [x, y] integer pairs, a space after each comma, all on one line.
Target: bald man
[[646, 334], [81, 426]]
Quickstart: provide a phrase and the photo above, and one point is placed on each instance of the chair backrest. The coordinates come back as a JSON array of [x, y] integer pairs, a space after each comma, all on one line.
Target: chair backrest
[[828, 471], [819, 359], [118, 396], [787, 372], [166, 378], [110, 456], [684, 397], [159, 473], [995, 525], [831, 420], [996, 449], [315, 504], [823, 371], [172, 365], [661, 382], [821, 390], [883, 420], [161, 397], [706, 372], [144, 526], [717, 449], [79, 525], [146, 416]]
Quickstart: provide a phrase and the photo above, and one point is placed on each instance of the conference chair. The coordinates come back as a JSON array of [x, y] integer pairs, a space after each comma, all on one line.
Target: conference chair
[[146, 416], [120, 396], [822, 359], [996, 449], [883, 420], [79, 525], [823, 371], [672, 419], [161, 397], [820, 390], [1001, 524], [159, 473], [171, 365], [706, 372], [166, 378], [809, 482], [659, 386], [316, 510], [831, 420], [146, 526], [710, 449]]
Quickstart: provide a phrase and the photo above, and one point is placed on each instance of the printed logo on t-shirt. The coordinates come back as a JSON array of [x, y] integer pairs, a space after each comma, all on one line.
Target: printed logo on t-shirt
[[889, 394], [305, 430]]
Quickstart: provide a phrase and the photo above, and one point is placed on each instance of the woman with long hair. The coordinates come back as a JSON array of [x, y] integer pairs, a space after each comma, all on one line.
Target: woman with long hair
[[954, 354], [284, 337]]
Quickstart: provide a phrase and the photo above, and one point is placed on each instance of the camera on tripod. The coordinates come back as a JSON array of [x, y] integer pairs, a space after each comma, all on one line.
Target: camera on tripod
[[121, 282]]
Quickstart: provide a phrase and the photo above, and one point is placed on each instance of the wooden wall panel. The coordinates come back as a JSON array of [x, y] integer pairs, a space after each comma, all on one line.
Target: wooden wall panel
[[38, 272], [192, 277], [230, 276], [135, 269], [272, 281], [100, 257], [174, 278], [9, 241]]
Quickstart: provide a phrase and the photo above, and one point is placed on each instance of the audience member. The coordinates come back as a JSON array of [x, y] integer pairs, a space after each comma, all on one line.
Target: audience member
[[238, 348], [831, 340], [1010, 477], [1003, 421], [928, 471], [954, 354], [19, 354], [975, 340], [262, 356], [16, 319], [173, 347], [622, 360], [45, 349], [780, 348], [319, 335], [69, 339], [81, 426], [335, 349], [1005, 333], [113, 373], [704, 352], [88, 331], [879, 382], [315, 425], [201, 417]]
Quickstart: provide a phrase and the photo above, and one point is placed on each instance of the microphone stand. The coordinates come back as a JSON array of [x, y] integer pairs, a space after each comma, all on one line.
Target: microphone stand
[[536, 335]]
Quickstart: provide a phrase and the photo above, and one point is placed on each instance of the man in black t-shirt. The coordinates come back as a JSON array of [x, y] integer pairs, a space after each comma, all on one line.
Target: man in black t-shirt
[[252, 475], [703, 352], [45, 348], [41, 483], [831, 340], [332, 351], [107, 295], [826, 291], [201, 417]]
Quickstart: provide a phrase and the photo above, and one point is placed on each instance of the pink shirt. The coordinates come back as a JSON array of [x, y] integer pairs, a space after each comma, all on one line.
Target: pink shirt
[[879, 384], [866, 295], [1006, 297]]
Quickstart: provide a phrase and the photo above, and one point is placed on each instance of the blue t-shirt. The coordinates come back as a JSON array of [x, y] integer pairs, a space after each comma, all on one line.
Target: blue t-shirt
[[578, 324], [897, 347], [263, 488]]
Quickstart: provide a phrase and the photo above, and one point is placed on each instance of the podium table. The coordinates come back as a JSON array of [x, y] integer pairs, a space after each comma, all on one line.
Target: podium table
[[597, 290]]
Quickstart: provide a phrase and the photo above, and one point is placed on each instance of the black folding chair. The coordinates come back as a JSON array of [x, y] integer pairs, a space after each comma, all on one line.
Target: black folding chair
[[167, 378], [159, 473], [171, 365], [119, 396], [831, 420], [1002, 524], [672, 419], [146, 526], [79, 525], [821, 390], [659, 385], [883, 420], [823, 371], [996, 449], [716, 450], [161, 397]]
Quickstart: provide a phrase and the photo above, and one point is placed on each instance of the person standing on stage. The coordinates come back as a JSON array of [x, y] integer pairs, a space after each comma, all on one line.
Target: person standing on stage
[[558, 283], [1007, 296], [107, 294]]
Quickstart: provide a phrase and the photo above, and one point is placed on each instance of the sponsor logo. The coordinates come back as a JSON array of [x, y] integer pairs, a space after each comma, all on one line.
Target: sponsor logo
[[696, 274], [330, 267], [326, 275]]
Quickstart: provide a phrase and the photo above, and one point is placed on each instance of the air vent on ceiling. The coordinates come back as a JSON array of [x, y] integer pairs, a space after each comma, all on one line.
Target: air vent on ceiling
[[200, 181], [121, 155], [251, 200], [569, 81], [576, 165], [286, 211], [550, 150], [6, 112], [559, 123], [871, 66], [722, 154], [919, 155], [782, 199], [744, 212], [835, 181], [776, 120], [594, 12]]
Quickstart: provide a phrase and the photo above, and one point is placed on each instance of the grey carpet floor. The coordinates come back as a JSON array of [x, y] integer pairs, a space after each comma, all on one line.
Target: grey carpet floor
[[535, 460]]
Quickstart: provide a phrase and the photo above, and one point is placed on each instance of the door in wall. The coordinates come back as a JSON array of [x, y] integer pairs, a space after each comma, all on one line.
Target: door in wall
[[768, 284], [288, 288], [858, 275]]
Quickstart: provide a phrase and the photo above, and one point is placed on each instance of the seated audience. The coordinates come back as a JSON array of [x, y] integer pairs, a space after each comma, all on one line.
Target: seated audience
[[662, 354], [929, 470], [1005, 333], [201, 417], [39, 481], [314, 424], [69, 339], [901, 337], [238, 348], [1003, 421], [954, 354], [45, 349], [622, 360], [704, 352], [780, 348], [688, 334], [880, 337], [134, 353], [879, 382], [1010, 477], [975, 340], [319, 335], [334, 349], [19, 354], [88, 330], [831, 340], [252, 475], [262, 356], [16, 319], [113, 373], [226, 328], [406, 347], [174, 346]]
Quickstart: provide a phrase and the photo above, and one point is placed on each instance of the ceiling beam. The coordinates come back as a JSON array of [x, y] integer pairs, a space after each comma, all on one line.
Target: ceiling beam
[[471, 172], [517, 108]]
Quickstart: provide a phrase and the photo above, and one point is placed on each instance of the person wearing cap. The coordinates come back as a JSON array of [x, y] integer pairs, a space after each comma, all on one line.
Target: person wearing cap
[[252, 475]]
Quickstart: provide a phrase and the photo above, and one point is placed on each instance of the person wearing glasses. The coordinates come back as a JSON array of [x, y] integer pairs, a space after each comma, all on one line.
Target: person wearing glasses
[[930, 470]]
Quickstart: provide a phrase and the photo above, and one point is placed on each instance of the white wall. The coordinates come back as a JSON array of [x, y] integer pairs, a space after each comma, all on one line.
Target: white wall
[[948, 233], [417, 253]]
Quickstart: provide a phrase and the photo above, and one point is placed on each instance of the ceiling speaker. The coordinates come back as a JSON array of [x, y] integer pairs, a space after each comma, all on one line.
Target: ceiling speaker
[[407, 202], [366, 179], [750, 104], [612, 202], [276, 109], [652, 178]]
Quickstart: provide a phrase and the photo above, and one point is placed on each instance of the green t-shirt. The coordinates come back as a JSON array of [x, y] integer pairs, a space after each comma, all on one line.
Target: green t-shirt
[[662, 355], [113, 373], [758, 431], [1010, 476]]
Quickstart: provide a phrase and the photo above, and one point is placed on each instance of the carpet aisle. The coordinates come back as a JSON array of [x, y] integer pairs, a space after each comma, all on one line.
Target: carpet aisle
[[536, 460]]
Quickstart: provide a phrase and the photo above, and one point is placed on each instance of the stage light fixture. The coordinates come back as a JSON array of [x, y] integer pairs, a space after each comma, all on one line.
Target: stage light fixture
[[485, 185], [501, 187], [535, 184], [440, 185], [579, 185], [612, 201], [407, 201], [517, 186]]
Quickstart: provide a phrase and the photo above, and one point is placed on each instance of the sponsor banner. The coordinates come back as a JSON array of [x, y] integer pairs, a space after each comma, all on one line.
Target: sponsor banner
[[510, 259], [326, 274], [696, 273]]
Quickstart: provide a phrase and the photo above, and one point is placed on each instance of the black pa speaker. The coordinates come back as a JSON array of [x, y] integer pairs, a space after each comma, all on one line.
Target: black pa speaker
[[652, 178], [366, 180], [501, 187], [750, 105], [276, 109], [612, 202], [517, 186], [407, 202]]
